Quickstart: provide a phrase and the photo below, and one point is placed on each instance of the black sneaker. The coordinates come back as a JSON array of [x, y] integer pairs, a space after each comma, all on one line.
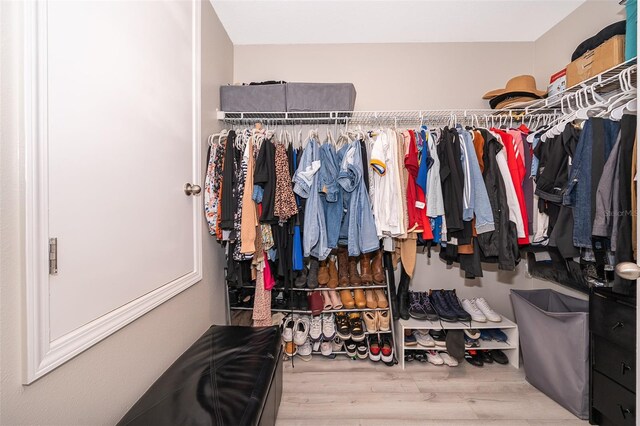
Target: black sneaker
[[351, 348], [355, 327], [454, 304], [362, 349], [420, 355], [486, 357], [429, 310], [442, 307], [498, 356], [440, 338], [342, 326], [416, 309], [473, 358]]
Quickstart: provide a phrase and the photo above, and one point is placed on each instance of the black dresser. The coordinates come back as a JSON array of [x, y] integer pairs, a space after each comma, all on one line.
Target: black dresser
[[612, 324]]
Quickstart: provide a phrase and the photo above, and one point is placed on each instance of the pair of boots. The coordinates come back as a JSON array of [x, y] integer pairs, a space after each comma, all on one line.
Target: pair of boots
[[371, 270], [328, 273]]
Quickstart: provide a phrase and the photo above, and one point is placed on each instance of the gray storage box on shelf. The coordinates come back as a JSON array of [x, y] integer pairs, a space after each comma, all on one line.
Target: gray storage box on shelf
[[256, 98], [308, 97], [554, 339]]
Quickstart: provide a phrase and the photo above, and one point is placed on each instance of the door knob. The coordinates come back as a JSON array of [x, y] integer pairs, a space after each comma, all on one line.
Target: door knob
[[628, 270], [191, 189]]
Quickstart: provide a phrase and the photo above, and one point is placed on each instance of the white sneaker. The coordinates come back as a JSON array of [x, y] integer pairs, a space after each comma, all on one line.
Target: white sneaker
[[337, 344], [304, 350], [472, 309], [434, 358], [328, 327], [288, 328], [486, 310], [424, 338], [448, 359], [326, 348], [315, 330], [301, 330]]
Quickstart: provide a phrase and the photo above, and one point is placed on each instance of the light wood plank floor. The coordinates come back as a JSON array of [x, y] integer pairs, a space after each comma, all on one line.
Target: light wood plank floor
[[346, 392]]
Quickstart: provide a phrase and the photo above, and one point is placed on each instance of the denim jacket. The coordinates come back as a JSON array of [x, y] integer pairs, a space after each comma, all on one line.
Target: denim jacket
[[330, 193], [362, 234], [314, 237]]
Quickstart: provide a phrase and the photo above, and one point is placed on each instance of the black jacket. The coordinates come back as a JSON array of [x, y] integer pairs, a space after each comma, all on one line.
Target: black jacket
[[553, 168], [452, 178], [264, 175], [228, 207]]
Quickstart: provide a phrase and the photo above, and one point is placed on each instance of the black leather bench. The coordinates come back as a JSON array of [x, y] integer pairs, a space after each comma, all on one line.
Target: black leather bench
[[230, 376]]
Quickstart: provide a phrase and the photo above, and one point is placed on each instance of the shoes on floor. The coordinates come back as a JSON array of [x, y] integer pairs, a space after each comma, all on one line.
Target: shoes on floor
[[350, 347], [315, 327], [483, 306], [472, 309], [386, 350], [420, 355], [326, 348], [374, 348], [343, 329], [409, 356], [439, 337], [409, 338], [423, 338], [304, 350], [337, 344], [362, 349], [499, 357], [448, 359], [486, 357], [473, 358], [328, 326], [434, 358]]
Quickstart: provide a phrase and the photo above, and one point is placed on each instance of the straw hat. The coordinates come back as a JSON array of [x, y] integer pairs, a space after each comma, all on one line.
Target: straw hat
[[522, 84]]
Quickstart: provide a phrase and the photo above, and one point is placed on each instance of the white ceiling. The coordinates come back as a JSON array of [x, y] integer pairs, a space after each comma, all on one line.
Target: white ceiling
[[356, 21]]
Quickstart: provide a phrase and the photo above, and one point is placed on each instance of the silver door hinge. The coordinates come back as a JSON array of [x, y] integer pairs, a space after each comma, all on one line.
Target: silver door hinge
[[53, 256]]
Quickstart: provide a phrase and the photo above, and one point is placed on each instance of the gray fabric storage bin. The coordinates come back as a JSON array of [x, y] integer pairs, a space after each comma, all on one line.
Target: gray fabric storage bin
[[256, 98], [554, 337], [305, 97]]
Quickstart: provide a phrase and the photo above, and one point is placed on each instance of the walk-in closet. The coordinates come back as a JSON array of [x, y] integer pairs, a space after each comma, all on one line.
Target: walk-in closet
[[220, 212]]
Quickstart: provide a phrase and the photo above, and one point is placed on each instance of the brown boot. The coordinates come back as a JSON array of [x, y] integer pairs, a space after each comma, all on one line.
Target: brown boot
[[323, 273], [382, 299], [365, 269], [343, 265], [354, 276], [333, 274], [377, 269], [370, 296], [347, 299], [361, 301]]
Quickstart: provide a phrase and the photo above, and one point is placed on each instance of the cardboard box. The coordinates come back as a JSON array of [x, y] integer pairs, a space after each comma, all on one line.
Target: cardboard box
[[557, 83], [593, 62]]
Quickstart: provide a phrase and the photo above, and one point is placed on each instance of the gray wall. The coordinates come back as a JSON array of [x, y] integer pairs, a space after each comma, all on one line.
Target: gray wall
[[99, 385]]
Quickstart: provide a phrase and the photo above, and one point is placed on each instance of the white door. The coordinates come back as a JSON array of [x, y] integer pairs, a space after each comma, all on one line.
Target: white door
[[118, 104]]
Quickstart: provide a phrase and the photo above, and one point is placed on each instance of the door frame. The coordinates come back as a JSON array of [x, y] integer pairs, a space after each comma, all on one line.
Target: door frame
[[42, 354]]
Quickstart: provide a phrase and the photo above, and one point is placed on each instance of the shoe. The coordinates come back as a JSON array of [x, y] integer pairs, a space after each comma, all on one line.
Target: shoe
[[374, 348], [333, 274], [441, 305], [429, 310], [337, 344], [470, 342], [498, 356], [301, 330], [409, 356], [288, 328], [448, 359], [497, 335], [381, 298], [384, 322], [343, 265], [315, 327], [327, 304], [434, 358], [377, 269], [416, 309], [301, 278], [454, 303], [439, 337], [350, 347], [486, 357], [323, 273], [336, 303], [491, 315], [290, 349], [360, 299], [314, 301], [347, 299], [356, 329], [316, 345], [362, 350], [354, 276], [312, 278], [472, 333], [473, 358], [370, 321], [370, 296], [342, 326], [326, 348], [304, 350], [328, 326], [485, 335], [424, 338], [386, 351], [472, 309], [420, 356], [365, 269], [409, 338]]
